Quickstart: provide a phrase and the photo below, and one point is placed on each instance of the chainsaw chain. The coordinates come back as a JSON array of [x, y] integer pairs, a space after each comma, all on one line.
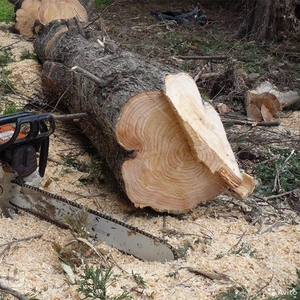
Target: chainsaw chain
[[94, 212]]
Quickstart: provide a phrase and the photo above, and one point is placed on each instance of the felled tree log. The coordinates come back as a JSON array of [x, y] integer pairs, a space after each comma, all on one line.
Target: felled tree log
[[167, 150], [30, 14]]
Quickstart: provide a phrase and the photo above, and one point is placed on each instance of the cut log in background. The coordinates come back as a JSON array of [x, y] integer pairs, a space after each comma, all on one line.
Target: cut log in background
[[166, 148]]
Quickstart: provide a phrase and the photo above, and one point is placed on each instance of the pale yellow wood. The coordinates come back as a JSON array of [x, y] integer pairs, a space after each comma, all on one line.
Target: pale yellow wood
[[64, 9], [26, 17], [164, 173], [205, 132]]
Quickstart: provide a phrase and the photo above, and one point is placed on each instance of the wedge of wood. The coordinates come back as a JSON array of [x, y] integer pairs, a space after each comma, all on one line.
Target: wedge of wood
[[31, 13]]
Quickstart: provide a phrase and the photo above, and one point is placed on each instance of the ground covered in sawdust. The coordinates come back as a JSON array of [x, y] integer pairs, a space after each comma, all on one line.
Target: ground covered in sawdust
[[226, 243]]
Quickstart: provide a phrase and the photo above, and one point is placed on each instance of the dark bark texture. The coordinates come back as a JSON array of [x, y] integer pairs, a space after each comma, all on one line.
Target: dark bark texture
[[121, 75], [270, 20]]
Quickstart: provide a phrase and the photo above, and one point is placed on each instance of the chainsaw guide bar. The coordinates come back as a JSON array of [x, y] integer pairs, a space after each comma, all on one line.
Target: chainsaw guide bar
[[19, 178], [101, 227]]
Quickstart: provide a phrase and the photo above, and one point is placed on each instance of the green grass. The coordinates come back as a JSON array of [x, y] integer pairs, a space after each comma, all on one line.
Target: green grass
[[283, 164], [244, 249], [5, 84], [95, 282], [26, 54], [10, 109], [6, 11], [239, 292], [102, 3]]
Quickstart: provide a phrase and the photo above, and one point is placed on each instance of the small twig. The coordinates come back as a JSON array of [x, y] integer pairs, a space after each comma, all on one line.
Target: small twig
[[4, 250], [277, 185], [288, 158], [281, 195], [205, 57], [88, 75], [275, 225], [79, 26], [22, 240], [99, 16], [264, 286], [12, 292], [164, 229], [69, 116], [210, 275], [249, 123], [9, 45], [54, 108], [240, 239], [101, 253]]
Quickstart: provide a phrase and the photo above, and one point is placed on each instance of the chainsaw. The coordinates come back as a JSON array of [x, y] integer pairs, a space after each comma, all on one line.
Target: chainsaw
[[24, 147]]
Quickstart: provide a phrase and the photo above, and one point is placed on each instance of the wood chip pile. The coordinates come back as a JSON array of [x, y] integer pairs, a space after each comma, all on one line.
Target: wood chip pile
[[215, 238]]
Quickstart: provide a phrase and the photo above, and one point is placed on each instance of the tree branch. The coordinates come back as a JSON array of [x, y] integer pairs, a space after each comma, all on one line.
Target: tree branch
[[12, 292]]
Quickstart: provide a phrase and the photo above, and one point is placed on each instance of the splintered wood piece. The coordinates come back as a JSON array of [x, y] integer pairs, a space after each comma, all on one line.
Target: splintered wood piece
[[261, 106], [205, 132], [285, 98], [64, 9], [163, 173], [27, 16]]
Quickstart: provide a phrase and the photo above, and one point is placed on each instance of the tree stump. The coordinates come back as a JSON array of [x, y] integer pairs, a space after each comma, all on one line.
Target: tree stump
[[166, 148], [270, 20]]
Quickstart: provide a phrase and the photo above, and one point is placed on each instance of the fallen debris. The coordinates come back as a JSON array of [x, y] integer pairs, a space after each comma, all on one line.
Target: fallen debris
[[266, 100], [181, 16]]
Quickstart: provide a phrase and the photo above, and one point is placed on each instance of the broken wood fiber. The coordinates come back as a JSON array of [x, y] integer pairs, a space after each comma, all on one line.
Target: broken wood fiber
[[136, 124]]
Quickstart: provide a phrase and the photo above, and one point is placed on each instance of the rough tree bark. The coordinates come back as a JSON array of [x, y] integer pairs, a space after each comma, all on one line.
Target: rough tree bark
[[139, 120], [267, 20]]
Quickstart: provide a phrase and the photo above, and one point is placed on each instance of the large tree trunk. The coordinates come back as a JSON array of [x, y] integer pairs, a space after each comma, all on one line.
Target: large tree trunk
[[167, 150], [268, 20]]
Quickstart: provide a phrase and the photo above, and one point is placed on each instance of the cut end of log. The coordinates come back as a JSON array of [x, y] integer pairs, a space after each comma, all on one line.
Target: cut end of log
[[35, 12], [181, 154], [164, 174], [64, 9], [26, 18]]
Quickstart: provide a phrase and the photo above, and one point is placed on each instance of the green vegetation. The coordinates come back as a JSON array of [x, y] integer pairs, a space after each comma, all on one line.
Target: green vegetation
[[241, 293], [244, 249], [5, 84], [6, 11], [235, 293], [10, 109], [173, 274], [3, 296], [26, 54], [280, 170], [102, 3], [182, 251], [95, 282], [5, 57], [139, 280]]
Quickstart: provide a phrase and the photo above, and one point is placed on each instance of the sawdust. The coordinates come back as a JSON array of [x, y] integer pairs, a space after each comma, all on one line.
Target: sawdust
[[216, 237]]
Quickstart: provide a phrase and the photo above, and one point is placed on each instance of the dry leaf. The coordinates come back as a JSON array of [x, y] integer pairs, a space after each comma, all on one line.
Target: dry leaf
[[208, 274]]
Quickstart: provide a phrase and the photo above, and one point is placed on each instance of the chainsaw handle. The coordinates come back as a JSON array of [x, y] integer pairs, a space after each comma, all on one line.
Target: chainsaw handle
[[38, 129], [9, 119], [39, 133], [12, 118]]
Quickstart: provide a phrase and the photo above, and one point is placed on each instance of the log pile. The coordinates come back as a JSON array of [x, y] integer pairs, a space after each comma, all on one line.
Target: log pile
[[166, 147]]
